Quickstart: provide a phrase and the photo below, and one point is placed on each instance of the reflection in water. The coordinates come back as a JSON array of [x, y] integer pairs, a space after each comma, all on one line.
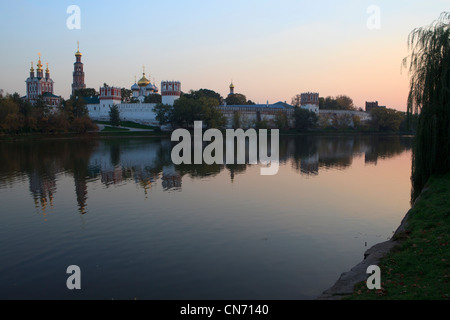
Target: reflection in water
[[154, 230], [147, 161]]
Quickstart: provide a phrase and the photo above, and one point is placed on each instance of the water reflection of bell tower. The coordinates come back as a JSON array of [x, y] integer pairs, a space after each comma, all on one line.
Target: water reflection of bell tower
[[43, 188], [81, 192]]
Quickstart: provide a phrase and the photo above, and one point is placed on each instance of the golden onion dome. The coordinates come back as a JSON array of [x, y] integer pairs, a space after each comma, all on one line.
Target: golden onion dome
[[39, 64], [144, 81], [232, 85], [78, 53], [32, 69]]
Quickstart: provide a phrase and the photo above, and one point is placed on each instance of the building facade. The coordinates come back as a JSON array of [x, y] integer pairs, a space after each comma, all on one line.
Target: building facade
[[170, 92], [373, 105], [41, 86], [143, 88], [138, 112], [310, 101]]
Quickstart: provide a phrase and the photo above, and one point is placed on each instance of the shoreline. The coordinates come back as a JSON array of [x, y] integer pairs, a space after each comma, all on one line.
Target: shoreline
[[163, 134], [344, 286]]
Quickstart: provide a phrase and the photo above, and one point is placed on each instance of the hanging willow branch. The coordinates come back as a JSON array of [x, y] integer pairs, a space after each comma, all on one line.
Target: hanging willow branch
[[429, 96]]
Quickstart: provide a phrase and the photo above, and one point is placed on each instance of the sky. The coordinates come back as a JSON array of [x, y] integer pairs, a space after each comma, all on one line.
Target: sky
[[271, 50]]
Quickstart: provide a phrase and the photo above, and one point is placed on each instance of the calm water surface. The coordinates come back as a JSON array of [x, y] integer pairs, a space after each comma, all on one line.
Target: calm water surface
[[140, 227]]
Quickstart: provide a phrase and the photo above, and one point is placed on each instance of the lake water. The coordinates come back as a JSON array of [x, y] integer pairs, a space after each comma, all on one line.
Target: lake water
[[140, 227]]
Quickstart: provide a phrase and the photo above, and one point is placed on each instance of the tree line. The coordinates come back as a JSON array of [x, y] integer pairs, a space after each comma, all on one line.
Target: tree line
[[19, 116]]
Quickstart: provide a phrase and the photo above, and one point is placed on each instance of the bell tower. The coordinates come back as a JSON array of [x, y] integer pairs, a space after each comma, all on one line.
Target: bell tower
[[78, 73]]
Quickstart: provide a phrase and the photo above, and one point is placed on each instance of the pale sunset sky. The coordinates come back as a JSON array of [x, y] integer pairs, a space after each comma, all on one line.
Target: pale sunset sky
[[272, 50]]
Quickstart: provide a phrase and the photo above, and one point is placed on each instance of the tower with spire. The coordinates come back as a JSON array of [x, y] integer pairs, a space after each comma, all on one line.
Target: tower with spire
[[41, 85], [78, 72], [231, 88]]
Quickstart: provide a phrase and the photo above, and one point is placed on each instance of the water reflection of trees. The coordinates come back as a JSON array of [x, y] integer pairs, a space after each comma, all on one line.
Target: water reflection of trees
[[311, 153], [42, 162], [147, 162]]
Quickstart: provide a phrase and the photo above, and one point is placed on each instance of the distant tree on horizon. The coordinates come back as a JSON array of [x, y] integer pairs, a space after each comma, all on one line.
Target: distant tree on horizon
[[204, 93], [340, 102], [153, 98], [386, 119], [237, 99], [86, 93]]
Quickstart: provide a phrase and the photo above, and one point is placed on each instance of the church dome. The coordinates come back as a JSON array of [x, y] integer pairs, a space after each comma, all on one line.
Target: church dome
[[135, 87], [144, 81], [150, 87]]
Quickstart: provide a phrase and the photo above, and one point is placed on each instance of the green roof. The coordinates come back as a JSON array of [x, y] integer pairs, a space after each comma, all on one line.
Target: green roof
[[49, 95]]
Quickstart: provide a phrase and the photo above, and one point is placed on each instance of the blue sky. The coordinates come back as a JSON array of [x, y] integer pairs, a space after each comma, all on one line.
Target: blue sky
[[271, 49]]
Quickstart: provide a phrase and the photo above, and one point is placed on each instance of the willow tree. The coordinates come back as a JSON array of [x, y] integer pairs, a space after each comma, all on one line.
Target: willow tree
[[429, 96]]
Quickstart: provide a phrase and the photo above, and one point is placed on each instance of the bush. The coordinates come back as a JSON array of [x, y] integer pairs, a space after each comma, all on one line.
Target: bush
[[83, 125]]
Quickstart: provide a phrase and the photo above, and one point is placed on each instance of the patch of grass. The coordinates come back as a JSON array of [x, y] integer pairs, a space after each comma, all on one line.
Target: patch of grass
[[133, 134], [129, 124], [420, 268], [114, 129]]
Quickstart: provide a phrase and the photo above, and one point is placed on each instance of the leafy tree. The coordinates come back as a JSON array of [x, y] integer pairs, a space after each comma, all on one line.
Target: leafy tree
[[185, 112], [212, 116], [322, 103], [114, 115], [304, 119], [19, 116], [386, 119], [75, 107], [345, 102], [153, 98], [429, 96], [236, 99], [356, 122], [87, 92], [188, 109], [126, 94], [205, 93], [79, 108], [330, 103], [297, 100], [10, 118], [83, 125], [340, 102], [13, 123], [281, 120], [40, 108], [262, 124], [164, 113]]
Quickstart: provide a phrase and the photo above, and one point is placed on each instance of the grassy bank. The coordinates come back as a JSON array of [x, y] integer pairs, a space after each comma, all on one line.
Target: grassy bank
[[114, 129], [92, 135], [419, 268], [128, 124]]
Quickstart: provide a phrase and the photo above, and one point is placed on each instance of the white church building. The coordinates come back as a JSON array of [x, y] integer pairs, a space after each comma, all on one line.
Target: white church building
[[138, 112]]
